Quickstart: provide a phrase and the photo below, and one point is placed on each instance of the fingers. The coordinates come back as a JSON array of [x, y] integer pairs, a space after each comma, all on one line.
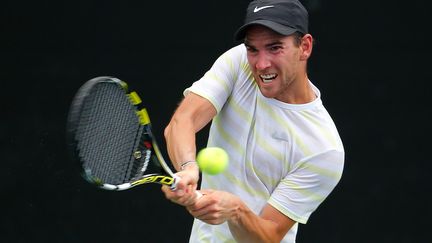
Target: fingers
[[185, 196], [184, 190], [208, 213], [187, 178], [215, 207], [202, 208]]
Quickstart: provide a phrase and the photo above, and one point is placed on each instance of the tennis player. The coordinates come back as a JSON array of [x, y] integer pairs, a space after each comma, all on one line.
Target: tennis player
[[286, 155]]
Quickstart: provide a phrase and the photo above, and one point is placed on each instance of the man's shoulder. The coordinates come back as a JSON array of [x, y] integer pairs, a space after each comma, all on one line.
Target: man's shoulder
[[237, 51]]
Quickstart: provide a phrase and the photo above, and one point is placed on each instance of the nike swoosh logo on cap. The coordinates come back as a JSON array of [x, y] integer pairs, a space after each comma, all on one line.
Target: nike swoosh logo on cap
[[261, 8]]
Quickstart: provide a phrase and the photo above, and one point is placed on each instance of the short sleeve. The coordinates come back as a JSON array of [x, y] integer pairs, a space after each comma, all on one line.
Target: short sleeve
[[217, 83], [300, 193]]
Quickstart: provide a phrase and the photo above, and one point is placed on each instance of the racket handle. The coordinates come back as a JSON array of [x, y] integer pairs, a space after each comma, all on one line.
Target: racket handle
[[174, 184]]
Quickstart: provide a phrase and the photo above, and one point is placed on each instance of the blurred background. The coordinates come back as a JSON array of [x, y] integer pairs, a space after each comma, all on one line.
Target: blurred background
[[370, 61]]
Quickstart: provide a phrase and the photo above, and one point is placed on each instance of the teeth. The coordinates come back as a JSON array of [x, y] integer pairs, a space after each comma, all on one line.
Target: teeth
[[267, 78]]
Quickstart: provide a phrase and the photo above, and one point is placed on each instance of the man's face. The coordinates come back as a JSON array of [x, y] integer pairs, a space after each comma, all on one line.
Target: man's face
[[277, 63]]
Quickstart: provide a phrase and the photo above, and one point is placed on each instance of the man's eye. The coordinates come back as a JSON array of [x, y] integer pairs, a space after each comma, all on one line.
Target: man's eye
[[275, 48], [250, 49]]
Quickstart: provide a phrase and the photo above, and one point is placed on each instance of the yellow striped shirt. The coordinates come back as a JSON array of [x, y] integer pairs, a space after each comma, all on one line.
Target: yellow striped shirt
[[290, 156]]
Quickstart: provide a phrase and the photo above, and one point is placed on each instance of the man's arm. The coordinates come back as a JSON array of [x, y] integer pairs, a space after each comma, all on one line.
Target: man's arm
[[270, 226], [193, 113], [217, 207]]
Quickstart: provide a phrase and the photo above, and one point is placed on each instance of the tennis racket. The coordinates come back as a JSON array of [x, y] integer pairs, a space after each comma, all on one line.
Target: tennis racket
[[109, 134]]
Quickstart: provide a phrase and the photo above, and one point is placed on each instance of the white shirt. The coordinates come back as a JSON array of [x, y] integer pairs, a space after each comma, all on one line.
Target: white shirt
[[287, 155]]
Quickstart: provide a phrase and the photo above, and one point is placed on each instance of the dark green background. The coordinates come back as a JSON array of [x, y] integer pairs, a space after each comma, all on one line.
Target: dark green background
[[370, 63]]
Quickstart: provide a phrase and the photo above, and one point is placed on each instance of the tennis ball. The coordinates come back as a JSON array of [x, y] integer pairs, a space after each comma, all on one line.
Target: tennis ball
[[212, 160]]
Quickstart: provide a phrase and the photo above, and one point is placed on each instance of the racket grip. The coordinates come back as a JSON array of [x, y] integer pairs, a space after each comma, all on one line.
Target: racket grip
[[174, 184]]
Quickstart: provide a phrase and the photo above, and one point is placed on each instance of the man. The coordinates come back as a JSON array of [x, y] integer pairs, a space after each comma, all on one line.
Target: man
[[285, 152]]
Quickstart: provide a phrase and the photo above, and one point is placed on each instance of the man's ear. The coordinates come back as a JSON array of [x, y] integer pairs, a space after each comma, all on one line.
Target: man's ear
[[306, 47]]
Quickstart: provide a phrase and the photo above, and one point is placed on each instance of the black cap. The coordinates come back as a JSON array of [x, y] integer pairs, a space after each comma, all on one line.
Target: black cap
[[282, 16]]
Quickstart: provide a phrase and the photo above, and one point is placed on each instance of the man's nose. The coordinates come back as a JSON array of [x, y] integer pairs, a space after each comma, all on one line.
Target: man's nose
[[263, 61]]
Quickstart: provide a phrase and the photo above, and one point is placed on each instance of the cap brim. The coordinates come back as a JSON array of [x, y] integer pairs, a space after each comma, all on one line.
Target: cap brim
[[278, 28]]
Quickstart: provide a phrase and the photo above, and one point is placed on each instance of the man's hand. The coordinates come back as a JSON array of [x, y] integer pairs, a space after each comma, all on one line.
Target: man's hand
[[184, 194], [215, 207]]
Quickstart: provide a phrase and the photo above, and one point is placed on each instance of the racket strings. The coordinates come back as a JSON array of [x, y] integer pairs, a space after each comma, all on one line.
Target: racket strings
[[137, 164], [107, 133]]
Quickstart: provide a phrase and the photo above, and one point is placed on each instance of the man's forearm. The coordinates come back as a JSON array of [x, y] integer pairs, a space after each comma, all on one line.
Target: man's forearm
[[246, 226], [193, 113], [180, 142], [270, 226]]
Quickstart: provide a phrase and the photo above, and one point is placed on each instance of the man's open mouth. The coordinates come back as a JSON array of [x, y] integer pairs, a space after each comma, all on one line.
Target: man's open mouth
[[267, 78]]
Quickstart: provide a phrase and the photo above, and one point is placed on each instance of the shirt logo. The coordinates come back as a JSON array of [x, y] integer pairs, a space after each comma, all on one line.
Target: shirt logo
[[261, 8]]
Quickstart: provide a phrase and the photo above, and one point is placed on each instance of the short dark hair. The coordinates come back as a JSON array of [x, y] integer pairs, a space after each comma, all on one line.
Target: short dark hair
[[298, 38]]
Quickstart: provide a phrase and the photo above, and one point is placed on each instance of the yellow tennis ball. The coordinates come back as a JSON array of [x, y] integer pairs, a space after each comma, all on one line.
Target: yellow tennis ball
[[212, 160]]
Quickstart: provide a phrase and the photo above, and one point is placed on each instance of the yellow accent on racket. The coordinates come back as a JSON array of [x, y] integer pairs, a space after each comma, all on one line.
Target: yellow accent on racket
[[134, 98], [144, 118]]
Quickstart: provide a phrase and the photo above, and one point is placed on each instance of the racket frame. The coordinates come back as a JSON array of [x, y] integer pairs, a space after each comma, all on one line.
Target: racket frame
[[169, 178]]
